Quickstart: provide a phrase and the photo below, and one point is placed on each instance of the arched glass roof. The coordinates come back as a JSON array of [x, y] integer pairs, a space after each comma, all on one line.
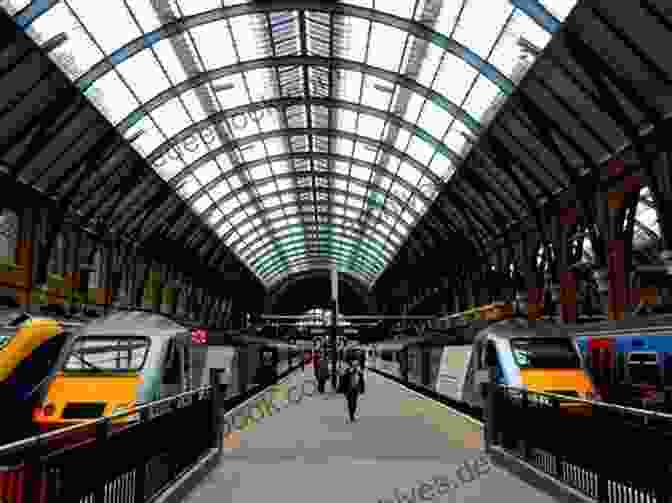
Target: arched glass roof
[[306, 137]]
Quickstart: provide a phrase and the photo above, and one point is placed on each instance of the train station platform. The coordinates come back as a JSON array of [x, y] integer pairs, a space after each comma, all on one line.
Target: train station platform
[[307, 452]]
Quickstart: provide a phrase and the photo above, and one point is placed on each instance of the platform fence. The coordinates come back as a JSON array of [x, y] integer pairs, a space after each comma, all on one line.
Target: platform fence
[[611, 454]]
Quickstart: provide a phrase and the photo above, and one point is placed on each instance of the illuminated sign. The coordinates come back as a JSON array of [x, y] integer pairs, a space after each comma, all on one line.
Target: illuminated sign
[[199, 336]]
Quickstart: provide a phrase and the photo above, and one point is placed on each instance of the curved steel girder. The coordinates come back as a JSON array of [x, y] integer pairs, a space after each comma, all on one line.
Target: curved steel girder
[[139, 222], [290, 132], [313, 262], [380, 248], [311, 213], [473, 199], [374, 263], [310, 260], [459, 205], [297, 190], [284, 103], [180, 25], [331, 176], [240, 169], [346, 260], [482, 187], [324, 240]]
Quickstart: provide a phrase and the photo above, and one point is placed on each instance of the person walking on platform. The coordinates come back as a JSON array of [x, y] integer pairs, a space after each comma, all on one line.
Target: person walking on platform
[[322, 372], [352, 384]]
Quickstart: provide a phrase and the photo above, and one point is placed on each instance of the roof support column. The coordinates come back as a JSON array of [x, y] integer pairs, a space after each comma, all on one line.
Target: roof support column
[[169, 292], [506, 288], [107, 280], [151, 294], [563, 226], [614, 261], [73, 243], [532, 277], [141, 274], [181, 304], [482, 290], [661, 190], [25, 254]]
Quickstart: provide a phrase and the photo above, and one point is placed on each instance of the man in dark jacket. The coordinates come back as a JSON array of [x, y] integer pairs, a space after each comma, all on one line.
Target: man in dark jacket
[[322, 372], [352, 384]]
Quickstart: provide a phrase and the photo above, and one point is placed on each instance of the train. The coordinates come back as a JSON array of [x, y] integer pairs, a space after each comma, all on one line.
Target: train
[[451, 361], [630, 360], [29, 349], [125, 359]]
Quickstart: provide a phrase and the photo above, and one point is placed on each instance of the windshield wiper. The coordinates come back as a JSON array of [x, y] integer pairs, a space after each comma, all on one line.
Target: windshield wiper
[[86, 362]]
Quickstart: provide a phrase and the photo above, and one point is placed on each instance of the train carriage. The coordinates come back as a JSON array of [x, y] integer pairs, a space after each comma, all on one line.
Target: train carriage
[[128, 358], [116, 363], [450, 358], [630, 360]]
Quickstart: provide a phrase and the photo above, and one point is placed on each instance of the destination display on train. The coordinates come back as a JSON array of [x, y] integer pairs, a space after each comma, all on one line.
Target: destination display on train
[[199, 336]]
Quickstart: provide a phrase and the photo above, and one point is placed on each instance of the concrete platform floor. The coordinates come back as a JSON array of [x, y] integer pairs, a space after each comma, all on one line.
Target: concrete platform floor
[[307, 452]]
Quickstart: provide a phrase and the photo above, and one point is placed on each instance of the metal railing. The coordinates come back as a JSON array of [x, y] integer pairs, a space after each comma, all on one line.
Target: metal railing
[[129, 457], [608, 452], [108, 460]]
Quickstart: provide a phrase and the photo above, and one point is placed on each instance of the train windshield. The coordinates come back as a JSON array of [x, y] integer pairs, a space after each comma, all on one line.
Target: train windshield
[[107, 354], [545, 353]]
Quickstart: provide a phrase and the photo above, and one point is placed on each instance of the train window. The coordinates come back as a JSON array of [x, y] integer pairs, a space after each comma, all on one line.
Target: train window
[[667, 368], [187, 363], [545, 353], [107, 354], [6, 335], [34, 369], [480, 356], [620, 368], [643, 368], [12, 319]]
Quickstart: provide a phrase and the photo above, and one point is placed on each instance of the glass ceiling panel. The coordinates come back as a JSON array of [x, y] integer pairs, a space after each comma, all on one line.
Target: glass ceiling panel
[[146, 61], [304, 255]]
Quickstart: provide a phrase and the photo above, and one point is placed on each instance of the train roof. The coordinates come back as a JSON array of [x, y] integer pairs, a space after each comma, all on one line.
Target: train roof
[[133, 323], [653, 325], [13, 318], [516, 328]]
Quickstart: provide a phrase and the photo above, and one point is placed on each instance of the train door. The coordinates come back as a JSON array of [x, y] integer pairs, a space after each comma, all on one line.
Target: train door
[[413, 364], [426, 365], [31, 376], [602, 352], [403, 363], [187, 368], [644, 373], [478, 373], [171, 378]]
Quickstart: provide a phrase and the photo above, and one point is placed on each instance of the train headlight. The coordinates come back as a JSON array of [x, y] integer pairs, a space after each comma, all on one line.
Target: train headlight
[[596, 397], [5, 338], [121, 408]]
